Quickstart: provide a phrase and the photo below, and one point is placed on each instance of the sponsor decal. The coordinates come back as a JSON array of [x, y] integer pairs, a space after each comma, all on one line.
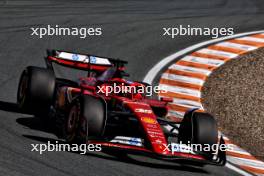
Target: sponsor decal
[[134, 141], [92, 59], [148, 120], [176, 147], [128, 140], [72, 57], [153, 126], [155, 134], [129, 82], [146, 111], [75, 57]]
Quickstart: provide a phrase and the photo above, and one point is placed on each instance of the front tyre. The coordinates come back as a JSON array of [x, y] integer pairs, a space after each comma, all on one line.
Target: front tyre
[[199, 128], [93, 110]]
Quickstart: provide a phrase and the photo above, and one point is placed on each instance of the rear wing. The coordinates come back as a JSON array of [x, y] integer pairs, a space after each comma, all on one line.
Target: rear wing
[[82, 61]]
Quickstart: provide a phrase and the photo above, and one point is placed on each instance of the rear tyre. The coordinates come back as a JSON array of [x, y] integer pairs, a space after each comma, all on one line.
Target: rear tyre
[[199, 128], [86, 118], [36, 90]]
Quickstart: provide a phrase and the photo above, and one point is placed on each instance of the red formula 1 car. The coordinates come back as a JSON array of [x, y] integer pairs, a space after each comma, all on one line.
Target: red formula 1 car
[[85, 111]]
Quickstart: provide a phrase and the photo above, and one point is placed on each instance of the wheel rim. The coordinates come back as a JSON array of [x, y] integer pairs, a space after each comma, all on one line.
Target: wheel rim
[[72, 119], [83, 131]]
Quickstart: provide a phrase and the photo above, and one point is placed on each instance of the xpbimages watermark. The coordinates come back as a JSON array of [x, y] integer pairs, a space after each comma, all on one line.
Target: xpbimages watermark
[[58, 147], [127, 89], [192, 148], [56, 30], [183, 30]]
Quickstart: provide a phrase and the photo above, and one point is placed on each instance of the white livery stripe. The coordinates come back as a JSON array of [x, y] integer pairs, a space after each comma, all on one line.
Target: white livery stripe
[[180, 90], [237, 46], [184, 79], [201, 60], [253, 39], [190, 69], [217, 53]]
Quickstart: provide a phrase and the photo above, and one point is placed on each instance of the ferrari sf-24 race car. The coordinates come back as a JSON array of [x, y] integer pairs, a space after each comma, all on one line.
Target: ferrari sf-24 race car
[[127, 121]]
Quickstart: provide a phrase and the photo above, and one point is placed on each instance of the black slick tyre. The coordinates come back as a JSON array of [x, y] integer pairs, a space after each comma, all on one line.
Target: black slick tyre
[[36, 90]]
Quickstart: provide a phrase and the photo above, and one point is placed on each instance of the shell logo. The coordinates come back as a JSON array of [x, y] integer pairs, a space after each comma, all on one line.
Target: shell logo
[[148, 120]]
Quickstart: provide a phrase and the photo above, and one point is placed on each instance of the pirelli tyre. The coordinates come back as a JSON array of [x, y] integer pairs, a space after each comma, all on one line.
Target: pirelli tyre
[[36, 90], [199, 128], [86, 119]]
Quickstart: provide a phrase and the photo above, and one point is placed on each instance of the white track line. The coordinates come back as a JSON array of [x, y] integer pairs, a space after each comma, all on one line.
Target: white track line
[[217, 53], [187, 102], [190, 69], [237, 46], [201, 60], [149, 78], [240, 171], [246, 162], [181, 90], [151, 75], [185, 79], [253, 39]]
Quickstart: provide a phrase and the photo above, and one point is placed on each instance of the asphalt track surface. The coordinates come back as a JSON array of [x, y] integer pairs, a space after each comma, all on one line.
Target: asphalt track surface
[[132, 30]]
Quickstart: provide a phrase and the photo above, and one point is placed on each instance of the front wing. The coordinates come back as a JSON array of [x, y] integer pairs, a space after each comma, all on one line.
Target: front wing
[[181, 157]]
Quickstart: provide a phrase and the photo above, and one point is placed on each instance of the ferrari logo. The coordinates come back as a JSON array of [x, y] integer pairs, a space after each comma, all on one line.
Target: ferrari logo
[[148, 120]]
